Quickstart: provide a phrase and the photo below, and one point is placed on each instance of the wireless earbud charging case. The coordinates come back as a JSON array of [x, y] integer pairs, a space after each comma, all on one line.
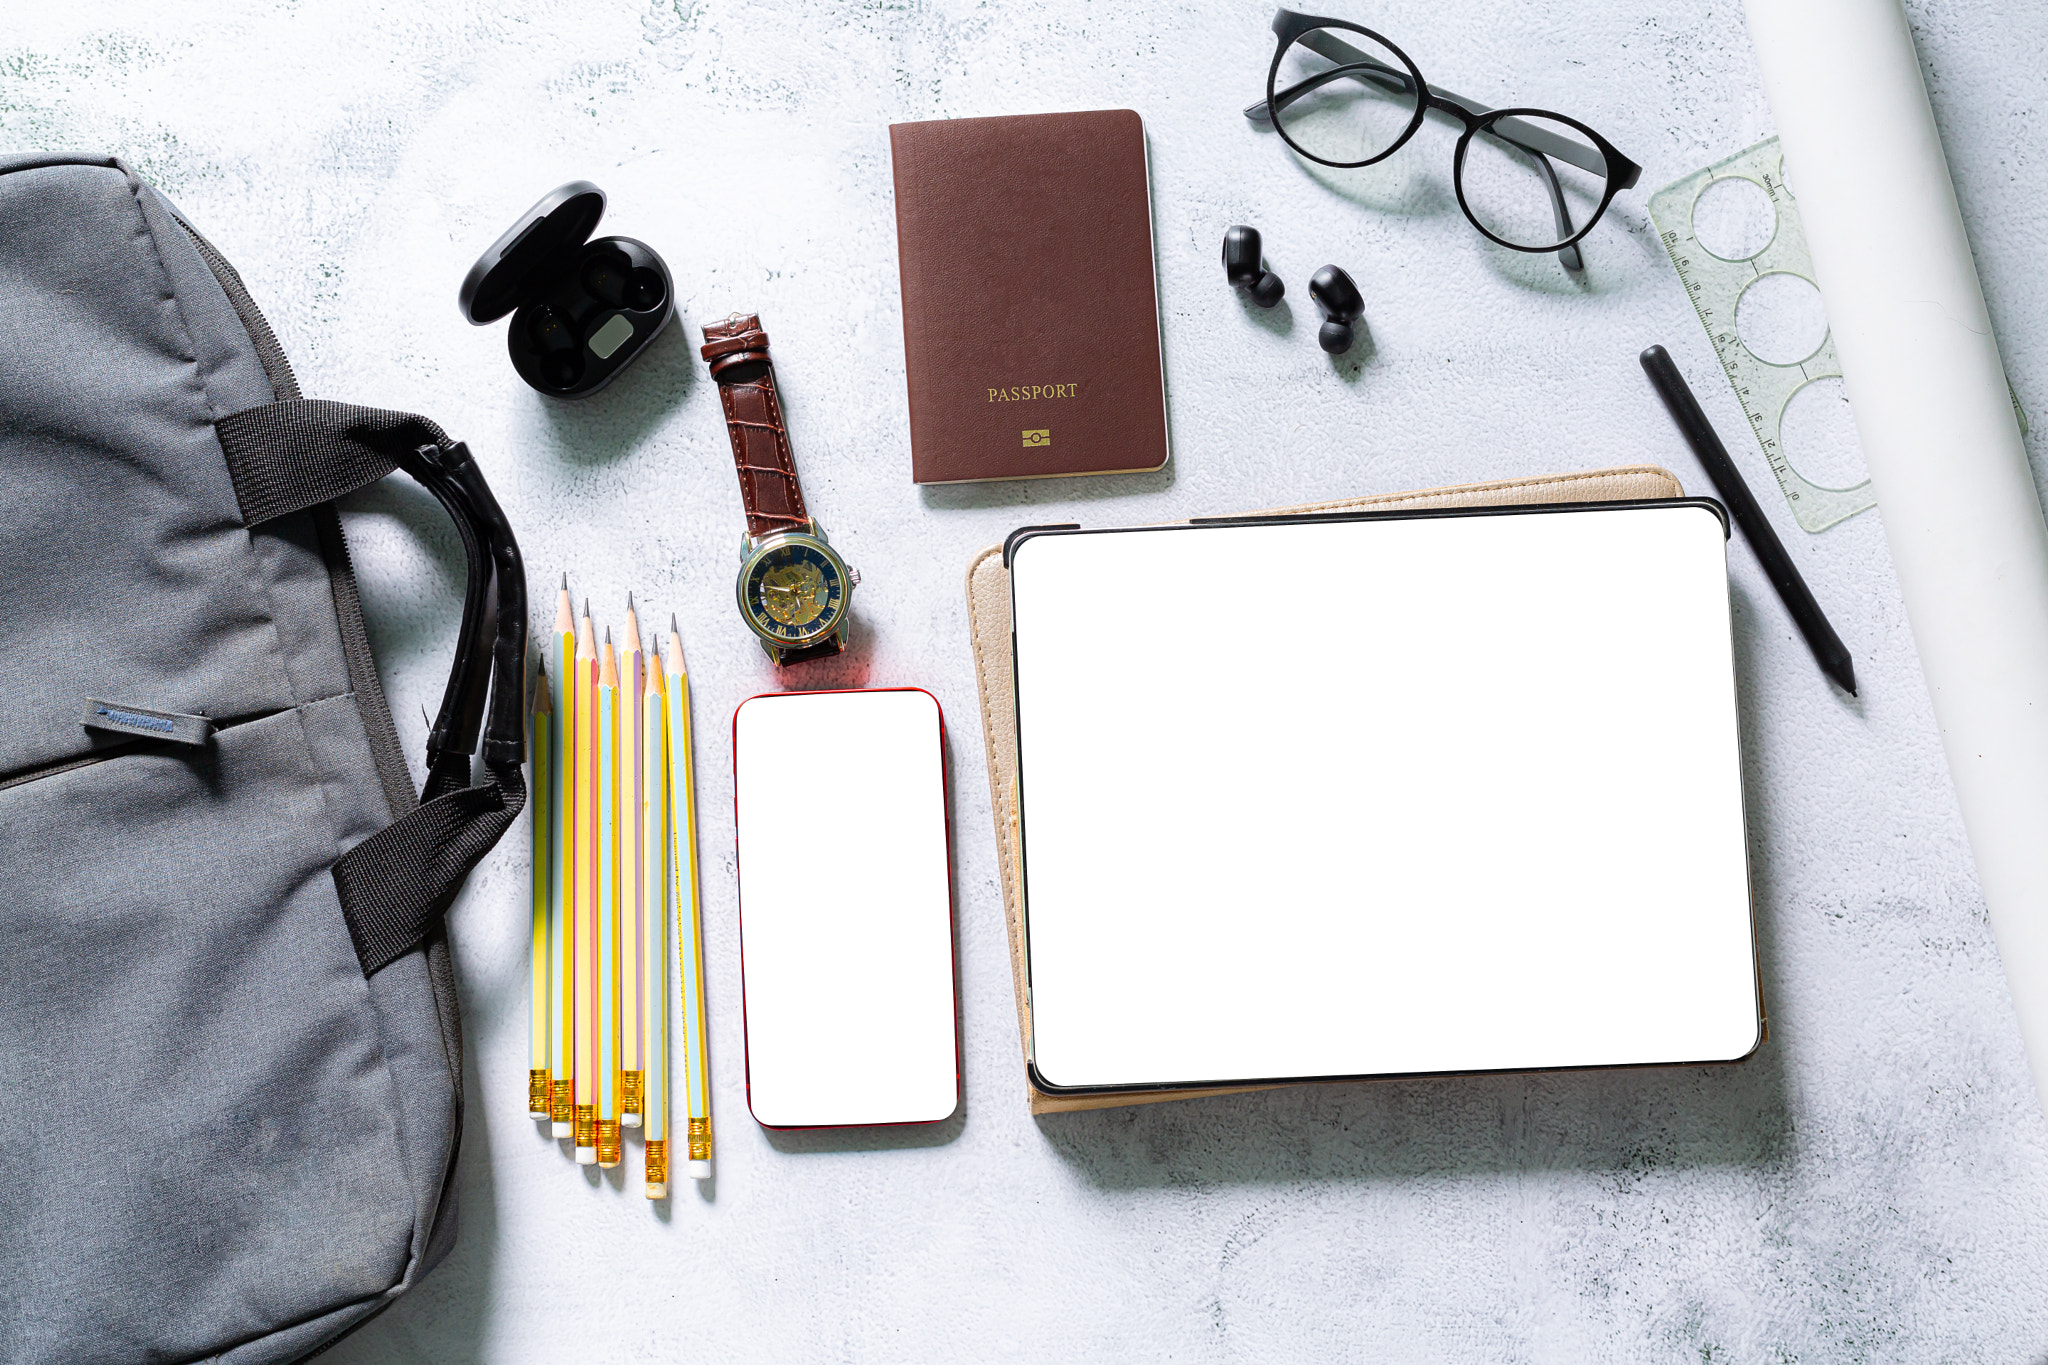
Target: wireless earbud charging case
[[581, 309]]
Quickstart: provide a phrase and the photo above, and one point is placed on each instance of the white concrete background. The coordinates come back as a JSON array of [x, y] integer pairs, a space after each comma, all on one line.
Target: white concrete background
[[1873, 1186]]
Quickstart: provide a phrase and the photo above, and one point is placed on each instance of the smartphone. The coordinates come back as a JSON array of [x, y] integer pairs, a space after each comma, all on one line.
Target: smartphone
[[846, 908]]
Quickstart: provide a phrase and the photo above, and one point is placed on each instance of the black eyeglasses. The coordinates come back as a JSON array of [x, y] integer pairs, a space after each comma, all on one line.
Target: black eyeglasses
[[1344, 96]]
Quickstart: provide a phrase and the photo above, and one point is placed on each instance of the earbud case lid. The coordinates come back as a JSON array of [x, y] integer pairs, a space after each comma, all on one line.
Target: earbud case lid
[[549, 231]]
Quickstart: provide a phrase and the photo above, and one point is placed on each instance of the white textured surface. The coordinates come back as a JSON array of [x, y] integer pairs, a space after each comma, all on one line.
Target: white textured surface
[[1874, 1186]]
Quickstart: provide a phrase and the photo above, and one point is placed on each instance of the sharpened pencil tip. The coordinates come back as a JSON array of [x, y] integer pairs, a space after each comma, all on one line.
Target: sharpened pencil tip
[[586, 606], [607, 634], [565, 580], [629, 601], [672, 623]]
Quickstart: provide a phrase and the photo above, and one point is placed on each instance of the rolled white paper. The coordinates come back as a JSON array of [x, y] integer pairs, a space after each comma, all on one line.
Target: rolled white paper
[[1938, 432]]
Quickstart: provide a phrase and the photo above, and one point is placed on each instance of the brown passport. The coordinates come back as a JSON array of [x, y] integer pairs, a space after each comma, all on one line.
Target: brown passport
[[1030, 313]]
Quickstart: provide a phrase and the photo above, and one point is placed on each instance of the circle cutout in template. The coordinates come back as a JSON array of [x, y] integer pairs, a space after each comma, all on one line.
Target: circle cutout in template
[[1817, 435], [1779, 318], [1734, 218]]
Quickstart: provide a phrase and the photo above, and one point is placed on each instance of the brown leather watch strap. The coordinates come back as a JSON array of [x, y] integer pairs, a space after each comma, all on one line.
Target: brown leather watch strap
[[737, 350]]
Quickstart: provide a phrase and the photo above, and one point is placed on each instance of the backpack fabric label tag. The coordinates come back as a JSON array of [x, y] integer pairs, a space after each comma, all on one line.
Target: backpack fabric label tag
[[149, 724]]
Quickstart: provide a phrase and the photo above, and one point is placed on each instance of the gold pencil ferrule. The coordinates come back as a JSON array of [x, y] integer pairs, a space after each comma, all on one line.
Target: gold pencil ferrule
[[607, 1142], [559, 1112], [539, 1094], [700, 1139], [657, 1164], [629, 1091], [586, 1125]]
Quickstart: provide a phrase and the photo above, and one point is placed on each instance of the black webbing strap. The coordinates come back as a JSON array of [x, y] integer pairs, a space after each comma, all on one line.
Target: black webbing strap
[[397, 884], [286, 457]]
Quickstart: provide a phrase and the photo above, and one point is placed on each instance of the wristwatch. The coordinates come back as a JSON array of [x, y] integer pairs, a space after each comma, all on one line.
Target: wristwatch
[[793, 589]]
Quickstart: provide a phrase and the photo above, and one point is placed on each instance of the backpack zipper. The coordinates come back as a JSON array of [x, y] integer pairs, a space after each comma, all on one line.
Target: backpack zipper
[[122, 748], [64, 765], [275, 363]]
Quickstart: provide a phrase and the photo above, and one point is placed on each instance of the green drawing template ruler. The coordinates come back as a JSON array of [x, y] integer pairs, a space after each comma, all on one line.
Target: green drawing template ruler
[[1715, 287], [1716, 284]]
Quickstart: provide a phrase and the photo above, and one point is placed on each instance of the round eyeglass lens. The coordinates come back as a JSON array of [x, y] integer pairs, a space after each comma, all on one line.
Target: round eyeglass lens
[[1532, 181], [1342, 97]]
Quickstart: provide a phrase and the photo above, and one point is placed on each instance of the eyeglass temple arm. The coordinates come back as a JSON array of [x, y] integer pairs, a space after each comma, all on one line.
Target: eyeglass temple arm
[[1567, 256]]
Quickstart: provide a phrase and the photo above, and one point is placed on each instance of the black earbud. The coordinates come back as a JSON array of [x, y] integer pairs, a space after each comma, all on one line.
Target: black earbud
[[1243, 267], [604, 280], [549, 331], [643, 290], [1342, 305], [561, 362]]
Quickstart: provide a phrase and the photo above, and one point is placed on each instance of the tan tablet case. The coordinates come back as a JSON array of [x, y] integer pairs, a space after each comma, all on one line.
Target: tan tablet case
[[988, 614]]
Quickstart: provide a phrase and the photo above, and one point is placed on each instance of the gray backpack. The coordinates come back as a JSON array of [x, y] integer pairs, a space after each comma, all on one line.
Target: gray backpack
[[230, 1060]]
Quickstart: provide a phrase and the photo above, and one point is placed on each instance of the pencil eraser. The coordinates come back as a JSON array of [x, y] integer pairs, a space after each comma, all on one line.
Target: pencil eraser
[[658, 1191], [629, 1120], [563, 1130], [699, 1170], [586, 1156], [537, 1114]]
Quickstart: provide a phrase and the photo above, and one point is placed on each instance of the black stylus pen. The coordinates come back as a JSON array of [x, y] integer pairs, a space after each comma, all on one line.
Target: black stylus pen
[[1828, 649]]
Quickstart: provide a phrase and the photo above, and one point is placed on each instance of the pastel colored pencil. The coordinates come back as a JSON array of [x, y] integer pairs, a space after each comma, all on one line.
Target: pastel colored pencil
[[562, 868], [654, 990], [583, 1074], [632, 883], [682, 806], [608, 876], [539, 1086]]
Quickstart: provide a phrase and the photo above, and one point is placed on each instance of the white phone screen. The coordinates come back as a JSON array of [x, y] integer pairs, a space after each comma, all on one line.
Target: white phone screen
[[846, 915]]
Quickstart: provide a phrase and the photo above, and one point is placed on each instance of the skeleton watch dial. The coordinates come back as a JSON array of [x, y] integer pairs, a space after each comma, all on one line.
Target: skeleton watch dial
[[793, 590]]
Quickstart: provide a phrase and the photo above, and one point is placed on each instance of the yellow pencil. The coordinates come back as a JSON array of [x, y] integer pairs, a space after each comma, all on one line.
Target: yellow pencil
[[562, 868], [608, 871], [654, 991], [583, 1074], [632, 881], [689, 929], [539, 1086]]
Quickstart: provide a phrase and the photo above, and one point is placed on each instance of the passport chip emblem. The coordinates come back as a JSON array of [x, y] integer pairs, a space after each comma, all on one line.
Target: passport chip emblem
[[1037, 438]]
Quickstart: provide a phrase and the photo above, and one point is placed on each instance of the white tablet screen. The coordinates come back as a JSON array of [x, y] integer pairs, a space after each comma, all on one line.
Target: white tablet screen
[[846, 917], [1382, 796]]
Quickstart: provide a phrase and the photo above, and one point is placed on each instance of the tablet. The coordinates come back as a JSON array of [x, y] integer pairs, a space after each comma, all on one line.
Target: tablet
[[846, 908], [1381, 794]]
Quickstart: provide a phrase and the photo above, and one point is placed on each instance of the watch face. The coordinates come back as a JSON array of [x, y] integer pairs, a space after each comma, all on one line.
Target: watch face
[[793, 591]]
